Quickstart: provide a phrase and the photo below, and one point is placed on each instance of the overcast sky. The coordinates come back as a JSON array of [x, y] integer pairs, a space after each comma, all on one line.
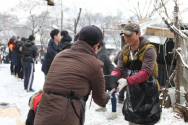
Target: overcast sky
[[105, 7]]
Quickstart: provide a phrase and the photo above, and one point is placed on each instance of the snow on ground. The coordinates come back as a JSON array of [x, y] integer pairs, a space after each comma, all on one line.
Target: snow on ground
[[12, 91]]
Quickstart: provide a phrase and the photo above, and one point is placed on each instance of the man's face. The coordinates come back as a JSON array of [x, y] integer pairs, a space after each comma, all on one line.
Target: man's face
[[132, 39], [58, 37]]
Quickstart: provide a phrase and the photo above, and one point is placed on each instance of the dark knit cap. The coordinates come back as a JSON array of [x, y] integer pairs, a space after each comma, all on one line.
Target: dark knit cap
[[91, 34], [64, 32]]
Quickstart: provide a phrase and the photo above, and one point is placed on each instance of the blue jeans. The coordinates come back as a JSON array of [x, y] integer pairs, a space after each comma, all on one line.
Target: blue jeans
[[114, 102]]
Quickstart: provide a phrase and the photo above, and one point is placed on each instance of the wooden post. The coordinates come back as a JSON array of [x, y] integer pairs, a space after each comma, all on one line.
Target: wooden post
[[178, 61]]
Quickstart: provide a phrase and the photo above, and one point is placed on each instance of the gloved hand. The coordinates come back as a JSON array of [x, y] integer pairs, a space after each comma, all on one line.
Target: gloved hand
[[122, 83]]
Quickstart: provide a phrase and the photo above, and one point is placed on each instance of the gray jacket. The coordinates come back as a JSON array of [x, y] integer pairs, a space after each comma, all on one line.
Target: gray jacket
[[103, 55]]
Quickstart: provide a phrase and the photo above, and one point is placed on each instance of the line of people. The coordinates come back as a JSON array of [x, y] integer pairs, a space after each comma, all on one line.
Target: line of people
[[23, 54]]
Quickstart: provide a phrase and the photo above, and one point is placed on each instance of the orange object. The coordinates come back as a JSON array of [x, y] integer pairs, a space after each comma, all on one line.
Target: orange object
[[11, 47]]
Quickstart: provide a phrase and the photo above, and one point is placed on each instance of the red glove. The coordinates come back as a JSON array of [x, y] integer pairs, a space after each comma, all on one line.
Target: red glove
[[117, 73], [141, 76]]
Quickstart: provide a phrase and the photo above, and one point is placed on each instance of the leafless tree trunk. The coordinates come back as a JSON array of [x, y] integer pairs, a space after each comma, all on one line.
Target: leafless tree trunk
[[76, 22], [178, 60]]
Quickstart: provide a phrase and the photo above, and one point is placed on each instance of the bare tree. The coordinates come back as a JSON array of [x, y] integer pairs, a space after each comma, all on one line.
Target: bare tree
[[76, 22], [44, 37], [34, 21], [141, 11], [7, 22], [21, 31]]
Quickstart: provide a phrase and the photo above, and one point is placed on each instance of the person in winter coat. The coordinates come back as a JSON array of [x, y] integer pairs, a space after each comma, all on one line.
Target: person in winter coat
[[29, 51], [33, 104], [72, 75], [10, 45], [137, 53], [66, 40], [19, 44], [52, 50], [14, 59], [108, 67]]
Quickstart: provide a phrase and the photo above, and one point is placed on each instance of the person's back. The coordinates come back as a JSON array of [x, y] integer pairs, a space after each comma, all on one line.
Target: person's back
[[76, 69], [29, 51]]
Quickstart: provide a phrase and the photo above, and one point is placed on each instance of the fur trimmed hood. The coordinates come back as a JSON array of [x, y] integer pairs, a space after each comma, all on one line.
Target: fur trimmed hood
[[31, 104]]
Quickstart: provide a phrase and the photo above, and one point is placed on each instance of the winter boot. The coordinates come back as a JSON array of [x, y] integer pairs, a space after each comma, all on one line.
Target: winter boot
[[112, 116], [101, 109]]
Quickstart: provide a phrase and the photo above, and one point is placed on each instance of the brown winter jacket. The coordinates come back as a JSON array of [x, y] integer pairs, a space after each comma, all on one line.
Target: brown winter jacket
[[77, 69]]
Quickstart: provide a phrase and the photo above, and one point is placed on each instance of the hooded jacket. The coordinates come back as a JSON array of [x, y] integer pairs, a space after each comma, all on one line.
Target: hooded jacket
[[65, 42], [29, 51], [103, 55], [33, 102]]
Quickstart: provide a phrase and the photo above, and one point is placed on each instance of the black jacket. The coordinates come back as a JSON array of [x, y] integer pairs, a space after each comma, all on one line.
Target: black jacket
[[29, 51], [65, 42], [103, 55], [18, 44]]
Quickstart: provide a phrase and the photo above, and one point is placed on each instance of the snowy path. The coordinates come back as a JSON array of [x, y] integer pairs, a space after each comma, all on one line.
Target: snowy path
[[12, 91]]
